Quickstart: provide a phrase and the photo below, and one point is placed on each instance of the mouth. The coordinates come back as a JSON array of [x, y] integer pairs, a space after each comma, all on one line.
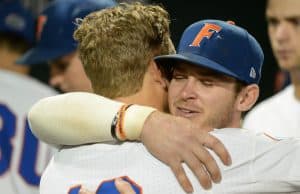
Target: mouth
[[186, 112], [283, 54]]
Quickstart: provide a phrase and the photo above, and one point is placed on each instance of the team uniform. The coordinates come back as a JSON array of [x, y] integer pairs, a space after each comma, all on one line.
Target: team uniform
[[22, 156], [259, 164], [278, 115]]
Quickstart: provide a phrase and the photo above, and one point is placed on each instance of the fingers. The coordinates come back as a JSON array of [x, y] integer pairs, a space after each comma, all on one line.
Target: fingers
[[200, 172], [123, 186], [85, 191], [210, 164], [181, 177], [218, 147], [204, 167]]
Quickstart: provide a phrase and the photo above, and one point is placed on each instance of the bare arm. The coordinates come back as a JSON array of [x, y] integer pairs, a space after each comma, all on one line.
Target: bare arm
[[78, 118]]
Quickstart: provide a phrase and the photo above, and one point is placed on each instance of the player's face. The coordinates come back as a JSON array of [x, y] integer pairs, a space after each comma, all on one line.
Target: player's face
[[202, 96], [284, 31], [68, 75]]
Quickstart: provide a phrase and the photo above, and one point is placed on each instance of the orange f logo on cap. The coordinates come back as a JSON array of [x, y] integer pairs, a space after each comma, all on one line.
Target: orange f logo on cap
[[207, 31], [41, 20]]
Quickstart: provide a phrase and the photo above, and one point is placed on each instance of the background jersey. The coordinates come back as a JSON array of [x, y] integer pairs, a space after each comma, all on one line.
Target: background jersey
[[260, 164], [22, 157], [278, 115]]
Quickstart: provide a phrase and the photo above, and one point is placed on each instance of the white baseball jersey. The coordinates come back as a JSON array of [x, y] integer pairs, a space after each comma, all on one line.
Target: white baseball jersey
[[22, 157], [260, 164], [278, 115]]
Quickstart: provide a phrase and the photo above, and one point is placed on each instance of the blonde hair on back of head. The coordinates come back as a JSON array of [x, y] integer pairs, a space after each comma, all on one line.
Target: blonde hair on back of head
[[117, 44]]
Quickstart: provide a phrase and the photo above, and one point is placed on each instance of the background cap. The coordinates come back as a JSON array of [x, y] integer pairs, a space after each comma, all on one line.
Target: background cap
[[14, 18], [55, 27], [222, 47]]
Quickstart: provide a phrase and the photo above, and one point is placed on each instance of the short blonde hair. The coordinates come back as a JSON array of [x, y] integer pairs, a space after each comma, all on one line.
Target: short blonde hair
[[117, 44]]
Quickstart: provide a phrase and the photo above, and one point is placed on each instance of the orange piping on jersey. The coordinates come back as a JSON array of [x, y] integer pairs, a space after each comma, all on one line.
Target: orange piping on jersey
[[271, 137]]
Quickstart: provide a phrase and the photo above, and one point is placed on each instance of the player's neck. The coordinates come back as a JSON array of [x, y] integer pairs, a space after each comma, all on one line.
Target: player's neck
[[8, 62], [151, 94], [144, 98], [295, 78]]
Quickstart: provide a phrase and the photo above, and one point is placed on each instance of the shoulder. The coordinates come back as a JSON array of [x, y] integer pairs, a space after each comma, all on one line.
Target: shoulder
[[269, 109], [24, 84]]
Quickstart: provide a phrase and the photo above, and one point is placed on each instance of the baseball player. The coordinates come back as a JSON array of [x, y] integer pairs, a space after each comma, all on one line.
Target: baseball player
[[207, 172], [161, 37], [22, 157], [56, 45], [208, 67], [279, 115]]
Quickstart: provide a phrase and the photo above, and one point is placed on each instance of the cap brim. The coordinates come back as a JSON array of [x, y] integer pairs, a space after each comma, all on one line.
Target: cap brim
[[195, 60], [39, 55]]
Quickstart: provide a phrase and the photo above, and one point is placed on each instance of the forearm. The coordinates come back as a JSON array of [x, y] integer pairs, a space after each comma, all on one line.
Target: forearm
[[80, 118]]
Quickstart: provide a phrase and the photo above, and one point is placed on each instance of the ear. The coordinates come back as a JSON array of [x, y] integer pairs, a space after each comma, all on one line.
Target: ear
[[247, 97], [157, 75]]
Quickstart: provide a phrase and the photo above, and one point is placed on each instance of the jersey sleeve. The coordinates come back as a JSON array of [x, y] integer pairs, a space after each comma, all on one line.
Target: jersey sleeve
[[80, 118]]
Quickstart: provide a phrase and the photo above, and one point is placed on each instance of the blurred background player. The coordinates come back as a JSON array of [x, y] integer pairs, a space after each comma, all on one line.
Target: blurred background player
[[22, 157], [279, 115], [56, 46]]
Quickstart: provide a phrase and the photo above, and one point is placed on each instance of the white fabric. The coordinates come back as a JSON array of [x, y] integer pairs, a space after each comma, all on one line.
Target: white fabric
[[278, 115], [260, 165], [18, 94]]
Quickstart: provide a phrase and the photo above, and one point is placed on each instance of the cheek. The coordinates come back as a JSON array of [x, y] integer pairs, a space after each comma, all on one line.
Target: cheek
[[172, 96], [74, 70], [271, 34], [219, 101]]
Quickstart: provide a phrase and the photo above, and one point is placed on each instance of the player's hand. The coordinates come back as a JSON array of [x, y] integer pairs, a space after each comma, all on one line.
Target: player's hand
[[122, 186], [85, 191], [174, 140]]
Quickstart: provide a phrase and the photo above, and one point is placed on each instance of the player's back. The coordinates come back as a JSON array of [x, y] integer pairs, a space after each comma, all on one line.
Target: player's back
[[258, 163], [22, 157]]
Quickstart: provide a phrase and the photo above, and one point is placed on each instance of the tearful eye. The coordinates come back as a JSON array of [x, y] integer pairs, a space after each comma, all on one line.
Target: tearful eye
[[207, 83], [178, 77]]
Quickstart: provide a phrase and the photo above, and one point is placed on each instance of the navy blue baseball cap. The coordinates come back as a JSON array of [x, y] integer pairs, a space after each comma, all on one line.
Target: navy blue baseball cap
[[222, 47], [14, 18], [55, 27]]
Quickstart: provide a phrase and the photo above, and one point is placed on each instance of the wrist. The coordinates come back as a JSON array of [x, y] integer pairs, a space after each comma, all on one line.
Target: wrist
[[129, 122]]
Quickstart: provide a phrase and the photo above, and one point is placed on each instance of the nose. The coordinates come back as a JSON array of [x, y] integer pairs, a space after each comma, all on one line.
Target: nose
[[56, 80], [282, 32], [188, 91], [56, 77]]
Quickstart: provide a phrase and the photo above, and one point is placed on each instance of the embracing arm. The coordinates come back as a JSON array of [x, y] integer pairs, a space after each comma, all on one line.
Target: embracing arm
[[78, 118]]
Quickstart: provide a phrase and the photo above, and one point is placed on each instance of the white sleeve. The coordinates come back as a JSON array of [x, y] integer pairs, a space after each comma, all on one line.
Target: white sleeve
[[80, 118]]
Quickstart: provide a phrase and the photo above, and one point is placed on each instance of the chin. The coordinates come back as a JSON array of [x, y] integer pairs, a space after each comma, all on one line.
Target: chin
[[287, 65]]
